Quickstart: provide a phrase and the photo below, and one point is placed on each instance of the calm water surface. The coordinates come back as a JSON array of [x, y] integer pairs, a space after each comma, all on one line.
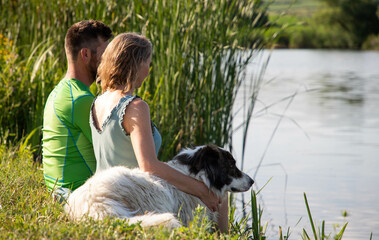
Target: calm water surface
[[327, 143]]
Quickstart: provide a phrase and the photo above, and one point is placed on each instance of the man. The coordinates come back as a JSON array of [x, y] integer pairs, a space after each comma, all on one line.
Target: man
[[67, 152]]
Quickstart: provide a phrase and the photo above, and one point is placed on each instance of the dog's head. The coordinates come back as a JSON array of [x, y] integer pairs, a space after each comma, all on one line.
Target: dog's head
[[216, 167]]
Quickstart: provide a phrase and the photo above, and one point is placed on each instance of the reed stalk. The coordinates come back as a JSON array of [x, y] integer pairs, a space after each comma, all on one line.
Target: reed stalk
[[197, 66], [320, 234]]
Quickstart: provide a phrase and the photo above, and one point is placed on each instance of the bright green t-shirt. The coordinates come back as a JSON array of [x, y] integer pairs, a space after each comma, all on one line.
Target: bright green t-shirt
[[67, 151]]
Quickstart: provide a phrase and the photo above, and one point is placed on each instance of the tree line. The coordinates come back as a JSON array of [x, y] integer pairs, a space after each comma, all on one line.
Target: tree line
[[344, 24]]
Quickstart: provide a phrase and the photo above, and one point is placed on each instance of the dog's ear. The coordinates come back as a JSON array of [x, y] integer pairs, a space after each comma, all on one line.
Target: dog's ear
[[183, 158], [201, 158], [212, 162]]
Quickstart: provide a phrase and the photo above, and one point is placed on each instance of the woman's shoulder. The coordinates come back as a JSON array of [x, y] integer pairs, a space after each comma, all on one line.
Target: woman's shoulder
[[137, 113], [137, 107], [137, 102]]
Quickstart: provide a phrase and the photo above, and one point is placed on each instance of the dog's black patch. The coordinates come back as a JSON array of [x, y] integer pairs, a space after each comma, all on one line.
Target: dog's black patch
[[183, 158], [218, 164]]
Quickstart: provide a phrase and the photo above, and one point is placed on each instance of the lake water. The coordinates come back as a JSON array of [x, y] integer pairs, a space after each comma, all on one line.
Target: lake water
[[326, 145]]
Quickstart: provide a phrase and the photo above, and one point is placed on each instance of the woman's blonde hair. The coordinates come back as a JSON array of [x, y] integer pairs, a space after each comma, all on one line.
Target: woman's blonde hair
[[121, 60]]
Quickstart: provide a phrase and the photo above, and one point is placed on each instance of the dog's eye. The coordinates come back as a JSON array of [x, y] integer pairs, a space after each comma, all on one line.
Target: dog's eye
[[232, 169]]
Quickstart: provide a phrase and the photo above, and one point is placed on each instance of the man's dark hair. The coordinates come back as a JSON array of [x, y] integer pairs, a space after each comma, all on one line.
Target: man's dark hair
[[85, 34]]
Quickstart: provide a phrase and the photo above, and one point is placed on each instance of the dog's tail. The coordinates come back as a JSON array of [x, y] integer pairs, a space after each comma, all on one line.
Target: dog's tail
[[156, 219]]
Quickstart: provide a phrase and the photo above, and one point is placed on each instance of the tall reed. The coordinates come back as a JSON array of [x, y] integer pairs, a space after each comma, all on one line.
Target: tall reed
[[197, 65]]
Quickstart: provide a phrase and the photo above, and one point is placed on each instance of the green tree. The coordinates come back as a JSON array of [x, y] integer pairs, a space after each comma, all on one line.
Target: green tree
[[357, 17]]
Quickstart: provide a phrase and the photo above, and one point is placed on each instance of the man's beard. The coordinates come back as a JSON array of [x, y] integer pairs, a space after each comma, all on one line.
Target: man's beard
[[93, 68]]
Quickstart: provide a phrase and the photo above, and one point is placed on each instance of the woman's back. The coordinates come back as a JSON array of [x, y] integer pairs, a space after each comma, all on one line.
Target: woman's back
[[111, 142]]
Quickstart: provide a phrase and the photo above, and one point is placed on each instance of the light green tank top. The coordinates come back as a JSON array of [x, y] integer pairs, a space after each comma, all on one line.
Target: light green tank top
[[112, 145]]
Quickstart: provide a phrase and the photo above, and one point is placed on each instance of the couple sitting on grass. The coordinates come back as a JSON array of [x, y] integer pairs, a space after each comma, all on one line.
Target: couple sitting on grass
[[84, 134]]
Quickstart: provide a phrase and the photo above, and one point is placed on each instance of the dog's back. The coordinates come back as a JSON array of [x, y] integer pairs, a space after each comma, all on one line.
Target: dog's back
[[131, 194]]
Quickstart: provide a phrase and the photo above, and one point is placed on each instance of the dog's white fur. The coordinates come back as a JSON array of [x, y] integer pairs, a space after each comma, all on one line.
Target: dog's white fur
[[140, 197]]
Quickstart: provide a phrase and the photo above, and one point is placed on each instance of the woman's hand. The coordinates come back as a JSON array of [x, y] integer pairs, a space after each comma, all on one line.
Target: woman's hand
[[210, 200]]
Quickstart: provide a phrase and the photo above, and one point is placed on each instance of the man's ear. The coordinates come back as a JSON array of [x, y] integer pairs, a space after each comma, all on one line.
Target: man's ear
[[85, 54]]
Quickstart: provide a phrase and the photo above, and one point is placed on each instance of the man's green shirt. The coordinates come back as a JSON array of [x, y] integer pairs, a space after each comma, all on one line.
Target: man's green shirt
[[67, 152]]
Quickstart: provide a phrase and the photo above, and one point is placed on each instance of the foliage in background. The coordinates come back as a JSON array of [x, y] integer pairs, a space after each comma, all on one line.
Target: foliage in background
[[22, 90], [298, 32], [358, 17], [344, 24], [197, 64]]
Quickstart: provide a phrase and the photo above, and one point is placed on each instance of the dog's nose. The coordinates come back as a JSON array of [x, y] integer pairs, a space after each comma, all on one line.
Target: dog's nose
[[251, 181]]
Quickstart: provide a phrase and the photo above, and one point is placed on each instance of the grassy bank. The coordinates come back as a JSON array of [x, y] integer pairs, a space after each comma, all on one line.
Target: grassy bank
[[295, 7], [27, 211]]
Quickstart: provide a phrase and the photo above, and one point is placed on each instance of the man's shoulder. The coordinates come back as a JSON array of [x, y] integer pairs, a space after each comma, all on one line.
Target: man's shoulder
[[67, 94], [79, 90], [73, 90]]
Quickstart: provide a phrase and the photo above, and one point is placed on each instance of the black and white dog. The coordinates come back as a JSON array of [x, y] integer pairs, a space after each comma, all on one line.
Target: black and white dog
[[140, 197]]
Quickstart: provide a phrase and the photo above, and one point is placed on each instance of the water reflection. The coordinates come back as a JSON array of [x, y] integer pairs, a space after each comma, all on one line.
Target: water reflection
[[349, 87], [327, 143]]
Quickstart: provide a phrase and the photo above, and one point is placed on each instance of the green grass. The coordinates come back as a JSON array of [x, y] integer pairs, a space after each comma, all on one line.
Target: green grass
[[27, 211], [295, 7]]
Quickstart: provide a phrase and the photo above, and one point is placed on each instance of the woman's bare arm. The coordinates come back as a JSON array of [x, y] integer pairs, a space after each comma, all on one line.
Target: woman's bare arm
[[223, 217], [138, 124]]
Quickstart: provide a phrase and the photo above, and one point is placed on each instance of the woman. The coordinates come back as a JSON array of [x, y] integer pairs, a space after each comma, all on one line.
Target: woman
[[122, 131]]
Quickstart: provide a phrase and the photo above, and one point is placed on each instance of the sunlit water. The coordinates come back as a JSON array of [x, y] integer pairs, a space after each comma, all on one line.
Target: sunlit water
[[326, 145]]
